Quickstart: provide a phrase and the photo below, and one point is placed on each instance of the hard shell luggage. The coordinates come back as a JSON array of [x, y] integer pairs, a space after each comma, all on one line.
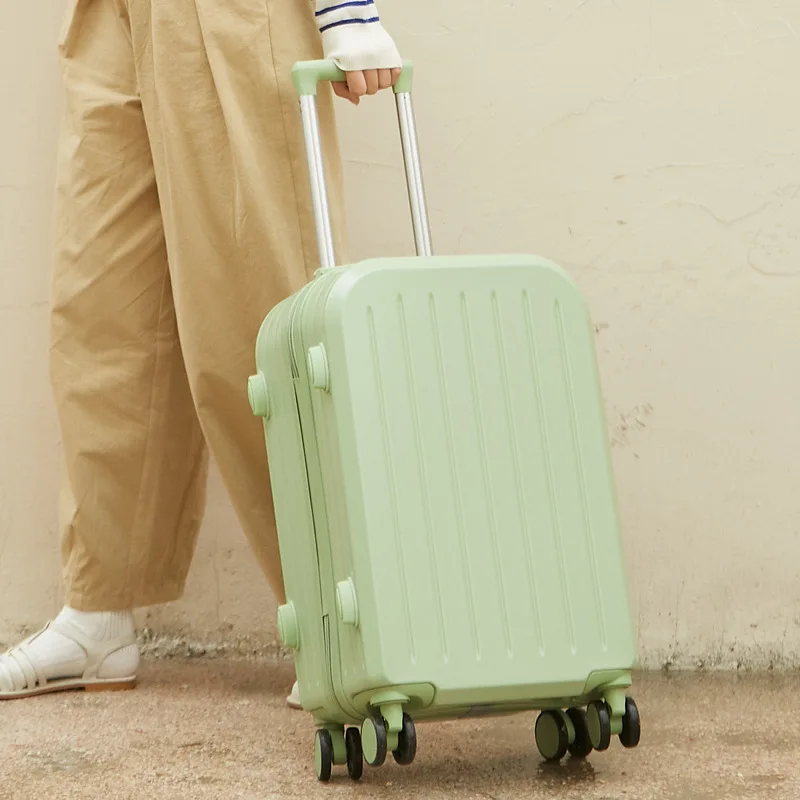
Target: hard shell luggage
[[444, 495]]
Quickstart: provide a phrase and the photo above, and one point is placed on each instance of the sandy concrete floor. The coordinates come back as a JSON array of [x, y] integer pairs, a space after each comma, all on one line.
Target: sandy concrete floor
[[219, 729]]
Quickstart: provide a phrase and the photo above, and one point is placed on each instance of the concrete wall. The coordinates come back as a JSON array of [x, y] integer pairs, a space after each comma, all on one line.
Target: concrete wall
[[651, 146]]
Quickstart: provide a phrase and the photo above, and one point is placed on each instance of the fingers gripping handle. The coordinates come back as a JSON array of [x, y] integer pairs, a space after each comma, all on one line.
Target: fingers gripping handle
[[306, 77]]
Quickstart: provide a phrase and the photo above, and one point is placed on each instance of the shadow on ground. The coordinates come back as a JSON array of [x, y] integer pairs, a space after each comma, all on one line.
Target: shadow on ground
[[219, 729]]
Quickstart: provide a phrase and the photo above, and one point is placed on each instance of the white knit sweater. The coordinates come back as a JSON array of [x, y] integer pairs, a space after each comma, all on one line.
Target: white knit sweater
[[353, 36]]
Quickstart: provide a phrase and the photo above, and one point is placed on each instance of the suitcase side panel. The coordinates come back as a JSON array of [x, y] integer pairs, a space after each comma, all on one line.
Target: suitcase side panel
[[293, 511], [324, 482], [480, 503]]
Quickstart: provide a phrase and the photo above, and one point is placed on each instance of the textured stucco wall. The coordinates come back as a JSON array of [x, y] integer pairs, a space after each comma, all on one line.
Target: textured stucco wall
[[650, 146]]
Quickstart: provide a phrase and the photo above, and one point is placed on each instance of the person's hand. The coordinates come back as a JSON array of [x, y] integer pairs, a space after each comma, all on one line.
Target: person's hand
[[368, 82]]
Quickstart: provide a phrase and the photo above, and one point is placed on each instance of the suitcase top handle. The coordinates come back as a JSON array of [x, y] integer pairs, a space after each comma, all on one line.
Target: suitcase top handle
[[306, 75]]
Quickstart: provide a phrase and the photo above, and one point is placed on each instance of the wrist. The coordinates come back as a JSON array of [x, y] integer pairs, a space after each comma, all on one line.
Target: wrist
[[354, 37]]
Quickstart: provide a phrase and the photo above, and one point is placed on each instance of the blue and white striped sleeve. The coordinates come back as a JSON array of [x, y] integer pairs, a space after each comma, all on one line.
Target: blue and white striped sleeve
[[353, 35]]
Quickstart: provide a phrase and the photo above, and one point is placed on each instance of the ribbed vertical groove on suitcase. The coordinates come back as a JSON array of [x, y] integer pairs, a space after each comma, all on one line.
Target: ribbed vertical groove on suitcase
[[587, 519], [533, 360], [487, 484], [520, 492], [387, 451], [444, 399], [420, 452]]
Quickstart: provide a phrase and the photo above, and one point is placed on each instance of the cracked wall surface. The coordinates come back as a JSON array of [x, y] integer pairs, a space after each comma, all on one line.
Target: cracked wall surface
[[651, 147]]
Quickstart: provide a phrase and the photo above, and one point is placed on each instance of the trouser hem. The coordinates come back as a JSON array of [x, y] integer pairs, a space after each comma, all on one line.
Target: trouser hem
[[86, 601]]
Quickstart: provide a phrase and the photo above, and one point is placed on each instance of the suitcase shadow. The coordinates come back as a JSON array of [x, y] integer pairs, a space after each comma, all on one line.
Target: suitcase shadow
[[514, 774], [574, 771]]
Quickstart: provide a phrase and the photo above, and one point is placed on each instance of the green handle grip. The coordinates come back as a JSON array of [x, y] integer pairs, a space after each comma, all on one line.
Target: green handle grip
[[307, 74]]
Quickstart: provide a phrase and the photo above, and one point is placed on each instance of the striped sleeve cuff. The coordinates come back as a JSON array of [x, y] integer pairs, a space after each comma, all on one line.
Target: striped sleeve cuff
[[353, 36], [332, 14]]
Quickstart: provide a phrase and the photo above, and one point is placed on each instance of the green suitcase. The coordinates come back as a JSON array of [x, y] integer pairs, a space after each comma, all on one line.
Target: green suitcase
[[444, 494]]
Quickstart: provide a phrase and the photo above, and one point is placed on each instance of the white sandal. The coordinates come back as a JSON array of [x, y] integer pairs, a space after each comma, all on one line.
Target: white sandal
[[293, 700], [33, 683]]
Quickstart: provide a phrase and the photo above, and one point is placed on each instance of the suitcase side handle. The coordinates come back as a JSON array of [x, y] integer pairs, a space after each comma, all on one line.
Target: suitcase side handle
[[306, 75]]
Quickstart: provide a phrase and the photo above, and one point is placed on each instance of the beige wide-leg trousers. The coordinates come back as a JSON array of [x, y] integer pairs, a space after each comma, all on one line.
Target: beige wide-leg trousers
[[183, 217]]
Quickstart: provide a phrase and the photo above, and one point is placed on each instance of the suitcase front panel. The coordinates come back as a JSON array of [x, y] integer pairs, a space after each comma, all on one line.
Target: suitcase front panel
[[466, 450]]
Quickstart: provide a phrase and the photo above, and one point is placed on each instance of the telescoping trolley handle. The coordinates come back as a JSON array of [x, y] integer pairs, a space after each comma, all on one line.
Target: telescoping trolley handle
[[306, 76]]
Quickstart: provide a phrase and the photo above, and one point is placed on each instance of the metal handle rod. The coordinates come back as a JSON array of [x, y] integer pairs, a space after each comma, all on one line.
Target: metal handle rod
[[319, 192], [414, 180], [316, 170]]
